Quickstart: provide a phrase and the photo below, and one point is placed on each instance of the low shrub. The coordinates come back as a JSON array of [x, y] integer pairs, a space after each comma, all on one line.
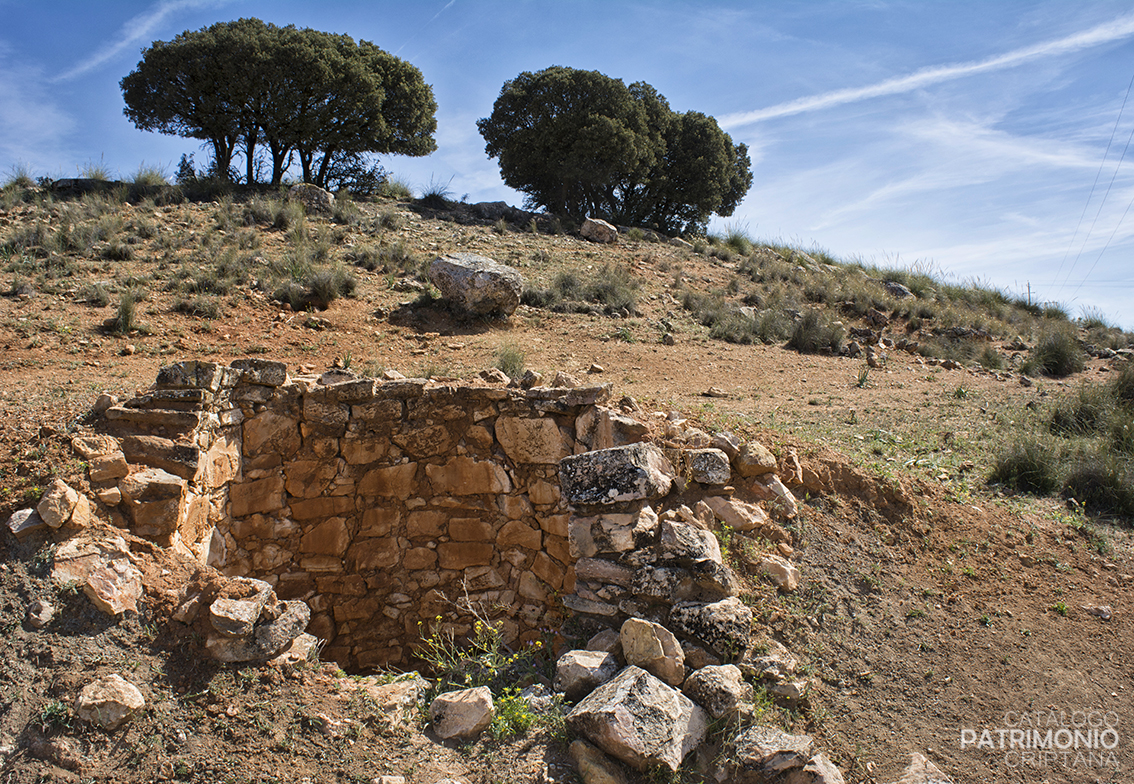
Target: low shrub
[[1102, 484], [1056, 354], [510, 360], [1028, 465], [815, 333]]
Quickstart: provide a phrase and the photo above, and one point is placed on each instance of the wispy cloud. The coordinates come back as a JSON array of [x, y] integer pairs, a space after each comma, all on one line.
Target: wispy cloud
[[32, 127], [1120, 28], [432, 19], [136, 29]]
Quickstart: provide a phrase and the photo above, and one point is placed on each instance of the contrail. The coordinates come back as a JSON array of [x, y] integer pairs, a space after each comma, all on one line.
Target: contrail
[[431, 21], [1116, 30], [136, 29]]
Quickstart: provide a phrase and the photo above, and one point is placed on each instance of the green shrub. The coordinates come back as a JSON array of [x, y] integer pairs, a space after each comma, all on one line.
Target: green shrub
[[150, 176], [1028, 465], [1086, 413], [613, 288], [513, 716], [327, 285], [1055, 354], [395, 188], [201, 307], [125, 321], [815, 333], [1122, 384], [1102, 484], [118, 251], [510, 360], [345, 211]]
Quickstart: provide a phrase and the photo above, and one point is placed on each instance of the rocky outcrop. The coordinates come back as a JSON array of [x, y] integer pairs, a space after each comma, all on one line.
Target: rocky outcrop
[[597, 230]]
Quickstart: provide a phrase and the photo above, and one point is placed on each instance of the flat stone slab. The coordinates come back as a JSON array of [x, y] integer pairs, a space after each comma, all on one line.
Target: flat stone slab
[[615, 475]]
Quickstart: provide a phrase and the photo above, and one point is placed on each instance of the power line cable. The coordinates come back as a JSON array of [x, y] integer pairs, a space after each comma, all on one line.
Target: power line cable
[[1107, 245], [1102, 203], [1098, 174]]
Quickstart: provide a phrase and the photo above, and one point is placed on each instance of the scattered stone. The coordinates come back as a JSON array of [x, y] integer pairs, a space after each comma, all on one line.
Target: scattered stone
[[269, 637], [578, 673], [640, 720], [109, 702], [595, 368], [790, 691], [784, 498], [609, 476], [462, 714], [736, 514], [237, 617], [1099, 611], [653, 647], [395, 704], [595, 767], [476, 285], [24, 523], [495, 376], [103, 402], [724, 627], [60, 751], [922, 771], [565, 381], [720, 690], [597, 230], [897, 290], [709, 466], [667, 339], [57, 503], [714, 392], [608, 641], [760, 752], [781, 571], [754, 459], [40, 613], [103, 569], [818, 770], [770, 661]]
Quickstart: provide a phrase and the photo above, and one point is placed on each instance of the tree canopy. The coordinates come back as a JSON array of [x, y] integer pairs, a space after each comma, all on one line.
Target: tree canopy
[[580, 143], [318, 96]]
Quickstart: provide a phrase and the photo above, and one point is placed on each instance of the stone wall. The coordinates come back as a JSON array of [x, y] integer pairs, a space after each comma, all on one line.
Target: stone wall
[[377, 503]]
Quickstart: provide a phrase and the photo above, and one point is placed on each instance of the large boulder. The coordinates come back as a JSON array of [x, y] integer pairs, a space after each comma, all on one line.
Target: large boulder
[[616, 475], [475, 285], [640, 720], [597, 230], [312, 197]]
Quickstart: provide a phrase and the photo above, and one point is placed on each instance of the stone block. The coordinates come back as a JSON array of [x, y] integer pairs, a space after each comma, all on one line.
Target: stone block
[[331, 537], [395, 481], [532, 440], [465, 476], [616, 475], [257, 497], [460, 555]]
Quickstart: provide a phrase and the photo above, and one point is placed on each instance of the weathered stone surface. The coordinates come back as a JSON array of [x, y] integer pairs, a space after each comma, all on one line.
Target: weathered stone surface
[[819, 770], [258, 497], [769, 660], [103, 568], [40, 613], [709, 466], [532, 440], [313, 198], [271, 433], [516, 533], [595, 767], [24, 523], [109, 702], [330, 537], [192, 375], [760, 752], [784, 498], [597, 230], [720, 690], [107, 468], [476, 285], [465, 476], [603, 428], [57, 503], [686, 544], [724, 626], [603, 571], [183, 460], [236, 617], [267, 639], [608, 641], [667, 584], [781, 571], [615, 475], [91, 446], [737, 514], [653, 647], [461, 714], [392, 482], [578, 673], [614, 532], [395, 704], [640, 720], [461, 555], [261, 371], [754, 459], [922, 771], [369, 554]]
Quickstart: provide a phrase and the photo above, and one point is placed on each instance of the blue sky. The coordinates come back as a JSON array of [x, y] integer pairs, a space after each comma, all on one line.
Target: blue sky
[[973, 139]]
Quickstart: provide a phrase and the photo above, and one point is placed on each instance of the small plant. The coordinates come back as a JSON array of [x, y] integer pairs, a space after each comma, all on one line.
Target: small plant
[[55, 716], [436, 194], [150, 176], [863, 377], [915, 612], [125, 321], [1056, 353], [1060, 607], [513, 717], [1029, 465], [816, 334], [510, 360], [985, 620], [960, 393], [95, 171]]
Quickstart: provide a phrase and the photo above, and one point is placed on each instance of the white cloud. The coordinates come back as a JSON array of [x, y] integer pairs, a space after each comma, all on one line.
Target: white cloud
[[136, 29], [1120, 28], [32, 126]]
